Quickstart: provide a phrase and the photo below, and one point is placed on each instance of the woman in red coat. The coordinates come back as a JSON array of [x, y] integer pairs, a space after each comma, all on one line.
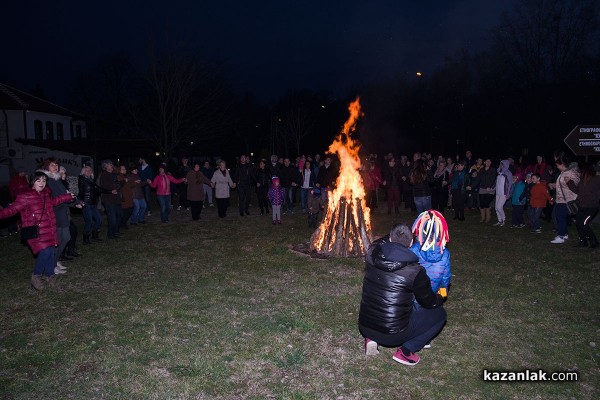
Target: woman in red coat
[[35, 205]]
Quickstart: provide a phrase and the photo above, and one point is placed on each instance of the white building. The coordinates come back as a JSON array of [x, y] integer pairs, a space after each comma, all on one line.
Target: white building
[[32, 129]]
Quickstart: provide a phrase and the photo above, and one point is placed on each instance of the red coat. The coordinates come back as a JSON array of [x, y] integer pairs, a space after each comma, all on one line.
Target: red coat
[[30, 204], [162, 185]]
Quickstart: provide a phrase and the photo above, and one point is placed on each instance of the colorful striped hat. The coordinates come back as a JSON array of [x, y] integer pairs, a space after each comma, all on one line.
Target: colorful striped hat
[[431, 230]]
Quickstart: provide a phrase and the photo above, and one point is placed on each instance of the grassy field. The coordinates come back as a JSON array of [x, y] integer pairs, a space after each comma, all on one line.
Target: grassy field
[[221, 309]]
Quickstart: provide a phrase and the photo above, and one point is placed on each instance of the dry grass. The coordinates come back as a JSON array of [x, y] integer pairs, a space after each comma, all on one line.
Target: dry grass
[[221, 309]]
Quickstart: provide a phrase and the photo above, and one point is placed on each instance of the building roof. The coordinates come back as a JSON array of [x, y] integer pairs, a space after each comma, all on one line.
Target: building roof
[[96, 148], [14, 99]]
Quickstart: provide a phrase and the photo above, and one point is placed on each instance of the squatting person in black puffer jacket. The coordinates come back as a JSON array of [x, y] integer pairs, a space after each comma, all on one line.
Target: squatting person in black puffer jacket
[[389, 314]]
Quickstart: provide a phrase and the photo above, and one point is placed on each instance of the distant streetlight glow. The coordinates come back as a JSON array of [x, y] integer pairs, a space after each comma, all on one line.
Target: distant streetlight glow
[[419, 74], [157, 154]]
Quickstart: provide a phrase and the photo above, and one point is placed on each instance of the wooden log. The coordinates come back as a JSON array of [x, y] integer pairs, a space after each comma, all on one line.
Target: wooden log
[[364, 234], [355, 243], [346, 246], [339, 231], [330, 232]]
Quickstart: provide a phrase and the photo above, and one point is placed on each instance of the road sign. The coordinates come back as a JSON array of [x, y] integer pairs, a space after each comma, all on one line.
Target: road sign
[[584, 140]]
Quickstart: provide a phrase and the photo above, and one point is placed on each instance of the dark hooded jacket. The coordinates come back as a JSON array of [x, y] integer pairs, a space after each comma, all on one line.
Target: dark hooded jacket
[[393, 280]]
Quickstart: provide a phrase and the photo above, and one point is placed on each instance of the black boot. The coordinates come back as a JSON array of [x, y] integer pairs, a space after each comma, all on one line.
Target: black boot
[[593, 242], [72, 251], [582, 243], [86, 239], [96, 236], [64, 256]]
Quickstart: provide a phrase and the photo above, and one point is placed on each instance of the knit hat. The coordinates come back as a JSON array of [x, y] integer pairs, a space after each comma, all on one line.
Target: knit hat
[[274, 180], [163, 166], [431, 229]]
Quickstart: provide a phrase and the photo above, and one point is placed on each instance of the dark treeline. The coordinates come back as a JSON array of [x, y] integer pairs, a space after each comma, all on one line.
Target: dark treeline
[[536, 80]]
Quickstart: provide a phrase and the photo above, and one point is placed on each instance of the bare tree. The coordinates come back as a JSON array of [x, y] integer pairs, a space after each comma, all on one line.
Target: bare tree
[[297, 114], [185, 102], [544, 40], [298, 123], [107, 94]]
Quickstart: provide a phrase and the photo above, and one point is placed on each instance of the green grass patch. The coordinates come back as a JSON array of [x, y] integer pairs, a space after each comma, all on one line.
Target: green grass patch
[[221, 309]]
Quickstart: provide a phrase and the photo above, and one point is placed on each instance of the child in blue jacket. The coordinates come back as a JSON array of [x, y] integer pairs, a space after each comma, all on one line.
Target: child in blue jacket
[[518, 201], [431, 235]]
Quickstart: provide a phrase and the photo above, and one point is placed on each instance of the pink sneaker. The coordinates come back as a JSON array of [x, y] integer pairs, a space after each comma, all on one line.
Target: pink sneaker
[[371, 347], [411, 359]]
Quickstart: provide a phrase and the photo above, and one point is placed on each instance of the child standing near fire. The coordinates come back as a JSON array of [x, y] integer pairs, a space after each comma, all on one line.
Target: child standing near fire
[[431, 236], [315, 204], [276, 196]]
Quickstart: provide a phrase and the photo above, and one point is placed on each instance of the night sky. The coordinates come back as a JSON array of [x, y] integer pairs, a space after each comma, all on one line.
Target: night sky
[[265, 47]]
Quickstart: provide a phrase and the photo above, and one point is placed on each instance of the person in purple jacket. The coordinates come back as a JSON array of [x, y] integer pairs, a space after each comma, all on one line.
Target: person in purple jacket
[[276, 196]]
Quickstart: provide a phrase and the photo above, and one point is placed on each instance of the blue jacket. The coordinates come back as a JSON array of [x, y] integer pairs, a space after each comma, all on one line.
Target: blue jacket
[[518, 199], [436, 264]]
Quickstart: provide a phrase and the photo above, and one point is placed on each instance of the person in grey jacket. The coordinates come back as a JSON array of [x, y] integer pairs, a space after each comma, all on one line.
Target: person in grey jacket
[[222, 182]]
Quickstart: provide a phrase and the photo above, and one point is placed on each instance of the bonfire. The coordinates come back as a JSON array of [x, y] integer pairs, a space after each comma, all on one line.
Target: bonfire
[[346, 227]]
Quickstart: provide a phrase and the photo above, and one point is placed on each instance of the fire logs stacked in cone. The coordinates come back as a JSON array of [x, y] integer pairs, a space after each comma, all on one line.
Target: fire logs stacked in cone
[[346, 227]]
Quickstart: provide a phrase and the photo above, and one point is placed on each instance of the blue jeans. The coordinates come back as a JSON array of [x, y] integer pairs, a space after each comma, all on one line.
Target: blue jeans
[[425, 324], [112, 213], [288, 205], [45, 262], [534, 215], [92, 218], [139, 210], [165, 206], [304, 197], [208, 193], [147, 194], [562, 215], [64, 235], [423, 203]]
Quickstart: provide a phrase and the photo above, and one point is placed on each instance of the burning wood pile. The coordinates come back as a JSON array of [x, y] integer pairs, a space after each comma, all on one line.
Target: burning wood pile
[[346, 227]]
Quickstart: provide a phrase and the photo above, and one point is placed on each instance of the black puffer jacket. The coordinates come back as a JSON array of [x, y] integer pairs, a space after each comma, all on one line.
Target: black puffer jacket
[[393, 279], [89, 191]]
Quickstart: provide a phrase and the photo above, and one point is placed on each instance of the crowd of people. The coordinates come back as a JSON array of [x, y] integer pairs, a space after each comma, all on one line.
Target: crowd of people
[[560, 192]]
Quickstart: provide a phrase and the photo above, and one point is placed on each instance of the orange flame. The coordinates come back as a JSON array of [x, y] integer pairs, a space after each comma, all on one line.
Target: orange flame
[[356, 221]]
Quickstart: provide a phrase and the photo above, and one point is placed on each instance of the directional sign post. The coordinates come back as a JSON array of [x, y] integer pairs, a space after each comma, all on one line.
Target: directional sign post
[[584, 140]]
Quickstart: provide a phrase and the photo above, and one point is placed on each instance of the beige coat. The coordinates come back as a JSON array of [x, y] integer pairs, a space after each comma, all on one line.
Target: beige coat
[[222, 184], [563, 193]]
